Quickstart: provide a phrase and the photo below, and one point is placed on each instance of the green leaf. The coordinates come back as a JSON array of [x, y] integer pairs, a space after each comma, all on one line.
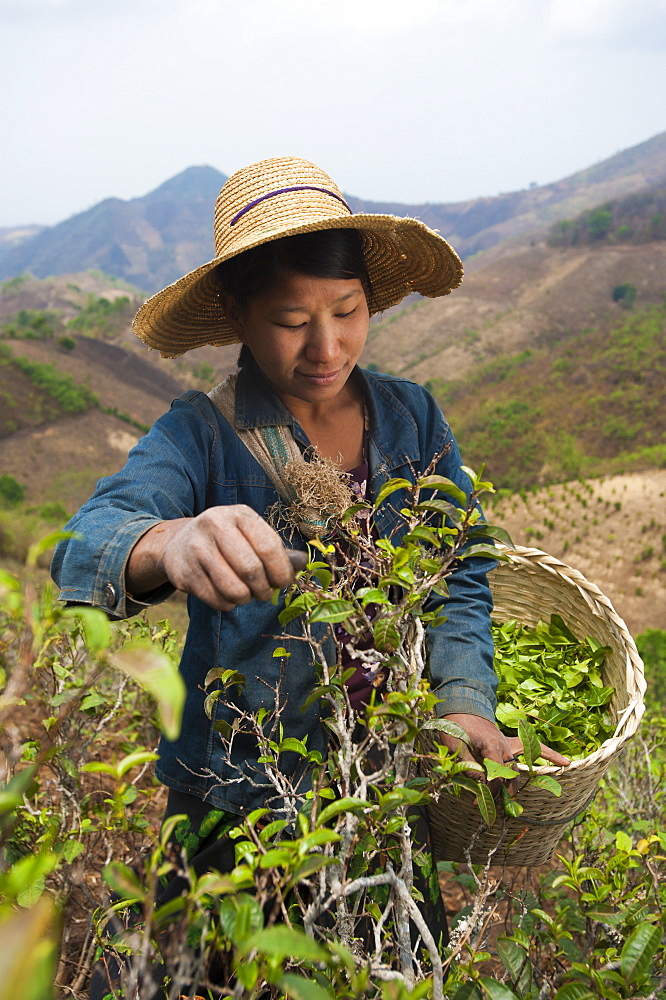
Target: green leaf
[[491, 531], [511, 806], [575, 991], [441, 507], [531, 745], [123, 880], [332, 611], [95, 626], [445, 726], [240, 916], [638, 951], [422, 534], [26, 878], [445, 486], [495, 990], [371, 595], [623, 842], [512, 956], [391, 487], [291, 743], [300, 988], [468, 991], [282, 942], [480, 552], [486, 804], [46, 543], [342, 805], [495, 770], [226, 677], [547, 782], [29, 951], [385, 635], [136, 759], [159, 676]]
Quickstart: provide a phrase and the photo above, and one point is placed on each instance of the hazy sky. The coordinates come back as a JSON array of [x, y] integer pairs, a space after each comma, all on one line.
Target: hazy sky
[[408, 100]]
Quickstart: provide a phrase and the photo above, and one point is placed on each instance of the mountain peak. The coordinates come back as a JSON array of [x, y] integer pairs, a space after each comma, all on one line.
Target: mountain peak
[[200, 182]]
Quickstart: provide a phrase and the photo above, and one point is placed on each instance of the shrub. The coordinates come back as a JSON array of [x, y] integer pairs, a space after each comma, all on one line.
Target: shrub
[[11, 491], [625, 294]]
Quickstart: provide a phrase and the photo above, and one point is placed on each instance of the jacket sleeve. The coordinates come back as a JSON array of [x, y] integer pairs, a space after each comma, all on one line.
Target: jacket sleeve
[[165, 477], [460, 650]]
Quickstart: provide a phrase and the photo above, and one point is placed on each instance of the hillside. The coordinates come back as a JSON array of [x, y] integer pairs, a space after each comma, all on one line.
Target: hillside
[[612, 529], [522, 300], [581, 404], [152, 240]]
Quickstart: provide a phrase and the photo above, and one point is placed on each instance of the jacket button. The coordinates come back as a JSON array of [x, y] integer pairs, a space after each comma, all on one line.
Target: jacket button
[[110, 595]]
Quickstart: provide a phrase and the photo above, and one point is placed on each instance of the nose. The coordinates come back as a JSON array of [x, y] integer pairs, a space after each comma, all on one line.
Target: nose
[[322, 344]]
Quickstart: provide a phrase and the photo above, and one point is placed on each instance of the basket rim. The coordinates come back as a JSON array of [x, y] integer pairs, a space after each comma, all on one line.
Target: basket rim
[[529, 558]]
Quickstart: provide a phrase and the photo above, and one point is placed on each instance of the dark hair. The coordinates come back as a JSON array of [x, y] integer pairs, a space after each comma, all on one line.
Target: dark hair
[[326, 253]]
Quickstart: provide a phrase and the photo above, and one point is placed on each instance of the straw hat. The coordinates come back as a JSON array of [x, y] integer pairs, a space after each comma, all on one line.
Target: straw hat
[[283, 197]]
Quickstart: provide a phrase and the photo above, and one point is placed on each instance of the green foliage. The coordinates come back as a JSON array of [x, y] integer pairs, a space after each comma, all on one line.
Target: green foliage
[[511, 409], [69, 394], [555, 680], [205, 372], [11, 491], [636, 218], [31, 324], [651, 645], [625, 294], [67, 343], [77, 739], [125, 417], [102, 317]]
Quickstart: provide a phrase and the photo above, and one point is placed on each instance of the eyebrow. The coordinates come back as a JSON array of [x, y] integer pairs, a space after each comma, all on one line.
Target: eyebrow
[[343, 298]]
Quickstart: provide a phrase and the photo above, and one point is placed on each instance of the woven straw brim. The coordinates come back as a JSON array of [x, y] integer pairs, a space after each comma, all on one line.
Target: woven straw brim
[[530, 587], [402, 256]]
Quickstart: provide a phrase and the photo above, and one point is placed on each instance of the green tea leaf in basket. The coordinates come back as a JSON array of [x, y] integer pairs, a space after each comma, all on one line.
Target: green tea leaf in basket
[[554, 681]]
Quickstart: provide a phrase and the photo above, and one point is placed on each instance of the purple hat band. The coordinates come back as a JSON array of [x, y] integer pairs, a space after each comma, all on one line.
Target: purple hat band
[[296, 187]]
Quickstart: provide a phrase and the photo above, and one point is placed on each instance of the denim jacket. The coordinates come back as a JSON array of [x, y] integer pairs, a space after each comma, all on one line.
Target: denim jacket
[[192, 459]]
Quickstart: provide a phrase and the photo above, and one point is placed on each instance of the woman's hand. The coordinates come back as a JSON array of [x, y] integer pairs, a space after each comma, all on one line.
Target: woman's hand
[[225, 556], [486, 740]]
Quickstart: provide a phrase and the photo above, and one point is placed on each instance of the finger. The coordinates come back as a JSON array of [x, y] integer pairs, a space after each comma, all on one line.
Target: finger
[[298, 559], [211, 583], [553, 756], [238, 571], [267, 545]]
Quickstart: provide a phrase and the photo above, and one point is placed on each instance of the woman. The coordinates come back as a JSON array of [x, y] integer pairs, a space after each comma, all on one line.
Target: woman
[[295, 279]]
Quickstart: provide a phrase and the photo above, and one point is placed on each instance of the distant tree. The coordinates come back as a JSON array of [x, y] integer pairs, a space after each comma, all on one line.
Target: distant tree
[[600, 223], [67, 343], [11, 491], [625, 294]]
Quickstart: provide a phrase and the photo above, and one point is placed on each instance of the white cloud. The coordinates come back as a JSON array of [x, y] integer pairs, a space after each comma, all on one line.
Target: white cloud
[[348, 20], [620, 23]]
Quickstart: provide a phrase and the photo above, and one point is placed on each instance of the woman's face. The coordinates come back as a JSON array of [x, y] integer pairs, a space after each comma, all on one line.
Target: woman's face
[[306, 334]]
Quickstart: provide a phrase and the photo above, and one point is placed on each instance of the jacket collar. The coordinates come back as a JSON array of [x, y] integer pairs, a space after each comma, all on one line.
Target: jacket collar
[[394, 432]]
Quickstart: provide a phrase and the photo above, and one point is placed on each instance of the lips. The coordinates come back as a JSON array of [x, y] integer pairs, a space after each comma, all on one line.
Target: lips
[[321, 378]]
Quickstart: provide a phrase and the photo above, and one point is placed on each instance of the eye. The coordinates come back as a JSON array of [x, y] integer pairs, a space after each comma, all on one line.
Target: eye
[[345, 315], [286, 326]]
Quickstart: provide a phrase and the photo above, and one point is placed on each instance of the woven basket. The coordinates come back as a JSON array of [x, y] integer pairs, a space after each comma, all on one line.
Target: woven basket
[[529, 587]]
